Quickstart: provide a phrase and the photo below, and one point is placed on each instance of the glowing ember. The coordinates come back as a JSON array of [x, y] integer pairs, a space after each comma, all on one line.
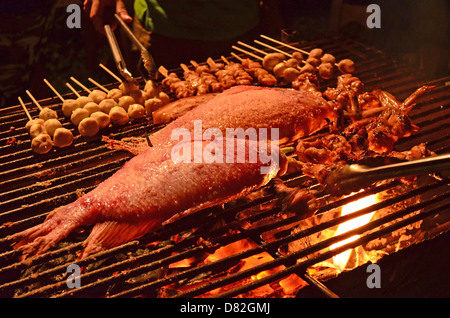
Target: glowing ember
[[341, 259]]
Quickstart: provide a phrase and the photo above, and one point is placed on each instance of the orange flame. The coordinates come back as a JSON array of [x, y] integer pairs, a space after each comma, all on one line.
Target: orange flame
[[341, 259]]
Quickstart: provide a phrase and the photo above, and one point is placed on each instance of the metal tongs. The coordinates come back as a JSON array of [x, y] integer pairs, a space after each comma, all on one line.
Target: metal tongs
[[117, 55], [149, 63], [351, 178]]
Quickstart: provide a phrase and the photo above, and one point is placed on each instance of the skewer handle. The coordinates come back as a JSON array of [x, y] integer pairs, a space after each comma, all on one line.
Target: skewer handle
[[33, 99], [163, 71], [117, 78], [103, 88], [53, 89], [284, 44], [184, 67], [247, 52], [80, 84], [237, 56], [225, 60], [273, 48], [73, 90], [24, 108]]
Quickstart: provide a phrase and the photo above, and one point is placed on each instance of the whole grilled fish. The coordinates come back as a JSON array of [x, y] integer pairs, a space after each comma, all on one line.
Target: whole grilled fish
[[152, 188]]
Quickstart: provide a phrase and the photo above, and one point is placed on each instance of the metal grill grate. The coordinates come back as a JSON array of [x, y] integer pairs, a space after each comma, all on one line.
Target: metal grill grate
[[32, 186]]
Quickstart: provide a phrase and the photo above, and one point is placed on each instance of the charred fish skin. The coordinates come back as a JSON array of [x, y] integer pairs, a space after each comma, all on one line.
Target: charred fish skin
[[150, 188]]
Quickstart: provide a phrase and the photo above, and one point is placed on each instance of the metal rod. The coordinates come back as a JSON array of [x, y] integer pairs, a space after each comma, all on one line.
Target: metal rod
[[320, 286]]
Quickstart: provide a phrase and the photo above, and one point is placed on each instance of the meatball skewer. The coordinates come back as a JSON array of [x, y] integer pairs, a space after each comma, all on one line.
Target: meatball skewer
[[41, 142], [45, 112]]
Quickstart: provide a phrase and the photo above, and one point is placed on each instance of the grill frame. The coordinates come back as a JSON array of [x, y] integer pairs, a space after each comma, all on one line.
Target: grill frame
[[401, 82]]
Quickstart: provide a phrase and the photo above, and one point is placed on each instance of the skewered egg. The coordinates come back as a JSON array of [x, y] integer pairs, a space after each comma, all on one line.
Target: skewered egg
[[97, 95], [62, 137], [136, 111], [118, 116], [42, 144], [78, 115], [47, 113], [51, 125], [69, 105], [102, 119], [88, 127]]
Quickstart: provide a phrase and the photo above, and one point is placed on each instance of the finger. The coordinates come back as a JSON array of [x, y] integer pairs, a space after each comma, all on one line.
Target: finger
[[87, 5], [121, 10]]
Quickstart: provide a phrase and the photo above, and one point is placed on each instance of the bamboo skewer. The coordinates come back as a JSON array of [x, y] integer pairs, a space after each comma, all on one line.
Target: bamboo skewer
[[103, 88], [80, 84], [286, 45], [53, 89], [110, 72], [184, 67], [210, 62], [73, 90], [163, 71], [237, 56], [251, 47], [25, 108], [224, 59], [34, 100], [247, 52], [273, 48]]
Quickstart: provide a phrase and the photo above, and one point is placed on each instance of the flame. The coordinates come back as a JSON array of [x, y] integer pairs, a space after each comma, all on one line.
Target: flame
[[341, 259]]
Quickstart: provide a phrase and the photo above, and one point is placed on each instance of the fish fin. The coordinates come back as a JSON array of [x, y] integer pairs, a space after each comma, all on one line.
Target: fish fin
[[134, 145], [109, 234]]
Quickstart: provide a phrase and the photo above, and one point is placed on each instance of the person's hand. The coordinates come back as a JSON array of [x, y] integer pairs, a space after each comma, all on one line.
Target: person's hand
[[101, 12]]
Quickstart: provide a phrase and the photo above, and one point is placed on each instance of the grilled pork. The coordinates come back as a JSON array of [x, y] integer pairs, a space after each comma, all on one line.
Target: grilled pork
[[151, 188]]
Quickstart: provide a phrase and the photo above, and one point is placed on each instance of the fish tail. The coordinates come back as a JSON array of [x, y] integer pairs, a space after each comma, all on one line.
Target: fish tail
[[40, 238]]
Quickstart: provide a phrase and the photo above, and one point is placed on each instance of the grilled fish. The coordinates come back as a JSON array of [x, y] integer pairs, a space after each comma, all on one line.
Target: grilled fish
[[151, 188]]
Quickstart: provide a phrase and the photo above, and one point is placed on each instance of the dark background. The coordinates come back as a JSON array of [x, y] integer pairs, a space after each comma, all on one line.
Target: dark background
[[35, 42]]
